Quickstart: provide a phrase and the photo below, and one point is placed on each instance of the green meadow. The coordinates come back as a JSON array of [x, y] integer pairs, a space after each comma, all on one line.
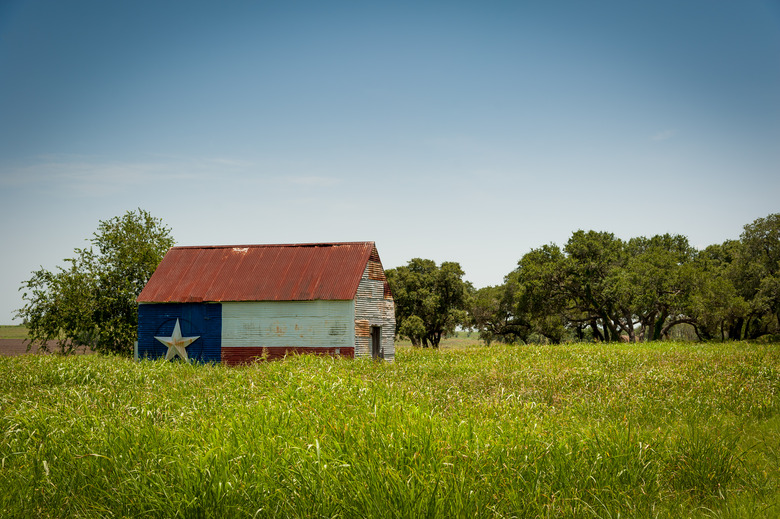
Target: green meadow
[[648, 430], [10, 331]]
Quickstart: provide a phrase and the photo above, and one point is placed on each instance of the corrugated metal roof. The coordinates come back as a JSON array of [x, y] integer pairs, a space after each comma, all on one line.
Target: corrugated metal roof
[[296, 272]]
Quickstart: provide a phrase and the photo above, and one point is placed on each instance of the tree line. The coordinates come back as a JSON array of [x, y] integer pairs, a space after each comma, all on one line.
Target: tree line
[[595, 287], [600, 287]]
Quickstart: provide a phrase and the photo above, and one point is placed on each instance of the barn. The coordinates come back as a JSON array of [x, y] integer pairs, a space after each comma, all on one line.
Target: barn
[[235, 304]]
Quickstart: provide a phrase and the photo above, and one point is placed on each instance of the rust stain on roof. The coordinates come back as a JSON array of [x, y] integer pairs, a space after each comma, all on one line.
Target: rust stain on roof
[[295, 272]]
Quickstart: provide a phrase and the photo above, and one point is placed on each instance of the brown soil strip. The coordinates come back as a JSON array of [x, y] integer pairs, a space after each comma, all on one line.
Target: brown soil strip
[[12, 347]]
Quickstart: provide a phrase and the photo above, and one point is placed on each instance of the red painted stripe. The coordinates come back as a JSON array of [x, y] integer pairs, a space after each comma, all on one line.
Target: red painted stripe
[[236, 355]]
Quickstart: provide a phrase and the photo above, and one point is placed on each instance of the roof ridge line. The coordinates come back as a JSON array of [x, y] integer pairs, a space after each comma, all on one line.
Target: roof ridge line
[[258, 245]]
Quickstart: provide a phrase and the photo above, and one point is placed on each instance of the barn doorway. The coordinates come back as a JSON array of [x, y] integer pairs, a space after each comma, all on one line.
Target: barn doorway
[[376, 342]]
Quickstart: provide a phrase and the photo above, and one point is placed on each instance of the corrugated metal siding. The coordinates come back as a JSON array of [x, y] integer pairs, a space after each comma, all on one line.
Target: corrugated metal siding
[[362, 327], [370, 291], [303, 272], [288, 324], [204, 320], [374, 306], [375, 271]]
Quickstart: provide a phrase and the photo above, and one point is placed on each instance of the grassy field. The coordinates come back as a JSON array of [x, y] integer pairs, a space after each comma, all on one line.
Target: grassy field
[[8, 331], [662, 430]]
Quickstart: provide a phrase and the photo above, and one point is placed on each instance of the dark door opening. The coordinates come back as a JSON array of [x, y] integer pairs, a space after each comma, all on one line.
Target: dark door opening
[[376, 342]]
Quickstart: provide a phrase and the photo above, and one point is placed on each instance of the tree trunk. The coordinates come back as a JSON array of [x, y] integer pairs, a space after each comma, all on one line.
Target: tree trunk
[[648, 326], [735, 329], [658, 326], [596, 332], [629, 327], [696, 330], [750, 331], [610, 331]]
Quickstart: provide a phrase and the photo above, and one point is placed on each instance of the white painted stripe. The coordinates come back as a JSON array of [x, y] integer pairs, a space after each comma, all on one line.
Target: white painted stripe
[[270, 324]]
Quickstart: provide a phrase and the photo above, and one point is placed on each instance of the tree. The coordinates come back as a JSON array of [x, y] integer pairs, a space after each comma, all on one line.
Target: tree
[[91, 302], [542, 292], [430, 301], [654, 285], [413, 327], [756, 275], [493, 312], [714, 306], [596, 260], [602, 282]]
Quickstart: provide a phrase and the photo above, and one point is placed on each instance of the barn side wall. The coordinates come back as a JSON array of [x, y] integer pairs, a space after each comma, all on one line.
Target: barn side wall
[[195, 319], [272, 329], [374, 306]]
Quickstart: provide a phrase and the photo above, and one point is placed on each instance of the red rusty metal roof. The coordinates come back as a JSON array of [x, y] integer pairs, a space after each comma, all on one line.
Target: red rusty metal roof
[[298, 272]]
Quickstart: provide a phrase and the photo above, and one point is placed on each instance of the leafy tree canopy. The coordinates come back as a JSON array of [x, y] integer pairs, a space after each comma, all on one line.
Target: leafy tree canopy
[[91, 301], [430, 300], [758, 265], [609, 289]]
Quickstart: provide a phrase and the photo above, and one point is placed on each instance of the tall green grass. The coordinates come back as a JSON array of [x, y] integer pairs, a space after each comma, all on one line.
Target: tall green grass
[[665, 430]]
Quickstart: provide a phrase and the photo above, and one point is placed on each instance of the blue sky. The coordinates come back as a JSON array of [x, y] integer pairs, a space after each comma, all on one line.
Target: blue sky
[[455, 131]]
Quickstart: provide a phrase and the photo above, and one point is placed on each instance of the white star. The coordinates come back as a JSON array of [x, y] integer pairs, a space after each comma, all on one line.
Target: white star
[[177, 345]]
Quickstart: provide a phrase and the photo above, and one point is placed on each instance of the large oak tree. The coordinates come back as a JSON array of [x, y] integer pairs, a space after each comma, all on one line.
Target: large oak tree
[[430, 300]]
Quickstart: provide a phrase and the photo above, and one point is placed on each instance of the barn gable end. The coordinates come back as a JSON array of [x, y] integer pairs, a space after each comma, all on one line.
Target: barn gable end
[[374, 308]]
